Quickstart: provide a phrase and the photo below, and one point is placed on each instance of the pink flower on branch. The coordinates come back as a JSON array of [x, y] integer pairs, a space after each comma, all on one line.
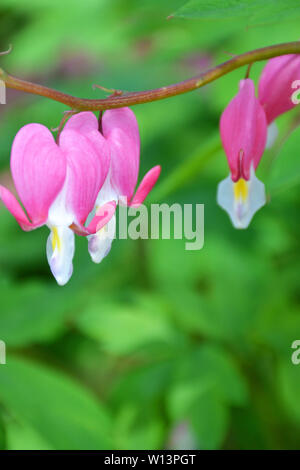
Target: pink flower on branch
[[58, 186], [74, 186], [276, 88], [243, 128]]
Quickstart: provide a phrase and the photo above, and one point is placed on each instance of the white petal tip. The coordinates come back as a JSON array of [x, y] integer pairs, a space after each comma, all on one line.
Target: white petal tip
[[98, 257], [61, 281], [62, 273], [241, 200], [60, 252], [99, 245]]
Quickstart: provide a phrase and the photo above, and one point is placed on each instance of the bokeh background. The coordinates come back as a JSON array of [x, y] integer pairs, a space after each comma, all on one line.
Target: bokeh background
[[156, 347]]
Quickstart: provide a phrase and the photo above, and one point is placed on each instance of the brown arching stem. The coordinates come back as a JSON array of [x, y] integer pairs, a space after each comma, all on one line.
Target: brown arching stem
[[129, 99]]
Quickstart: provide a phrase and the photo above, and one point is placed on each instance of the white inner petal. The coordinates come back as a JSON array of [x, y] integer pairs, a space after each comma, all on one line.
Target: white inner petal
[[106, 194], [60, 252], [100, 242], [58, 213], [60, 243]]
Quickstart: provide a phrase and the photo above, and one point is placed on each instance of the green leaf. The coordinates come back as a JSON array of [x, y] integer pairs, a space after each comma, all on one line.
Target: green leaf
[[289, 386], [217, 9], [123, 328], [252, 11], [278, 331], [285, 171], [23, 437], [184, 395], [146, 384], [139, 428], [206, 382], [209, 420], [211, 366], [2, 433], [210, 274], [64, 414], [188, 170], [204, 409], [36, 313]]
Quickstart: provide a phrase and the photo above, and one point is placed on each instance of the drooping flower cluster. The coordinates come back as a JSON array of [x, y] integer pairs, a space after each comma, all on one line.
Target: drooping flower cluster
[[73, 186], [247, 127]]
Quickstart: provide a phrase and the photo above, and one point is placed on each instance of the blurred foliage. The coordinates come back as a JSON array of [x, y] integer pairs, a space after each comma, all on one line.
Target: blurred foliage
[[156, 347], [248, 11]]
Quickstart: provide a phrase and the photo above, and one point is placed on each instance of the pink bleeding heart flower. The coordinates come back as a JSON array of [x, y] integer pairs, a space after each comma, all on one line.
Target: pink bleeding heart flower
[[58, 185], [120, 131], [276, 88], [243, 129]]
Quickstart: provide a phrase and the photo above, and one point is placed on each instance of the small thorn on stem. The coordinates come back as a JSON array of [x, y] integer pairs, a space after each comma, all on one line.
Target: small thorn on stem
[[66, 115], [112, 91], [10, 48]]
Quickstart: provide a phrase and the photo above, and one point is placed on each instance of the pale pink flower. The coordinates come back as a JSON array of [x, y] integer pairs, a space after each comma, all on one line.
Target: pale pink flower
[[58, 185]]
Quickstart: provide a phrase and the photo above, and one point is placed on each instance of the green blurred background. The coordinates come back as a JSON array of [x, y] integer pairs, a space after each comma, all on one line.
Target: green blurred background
[[156, 347]]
